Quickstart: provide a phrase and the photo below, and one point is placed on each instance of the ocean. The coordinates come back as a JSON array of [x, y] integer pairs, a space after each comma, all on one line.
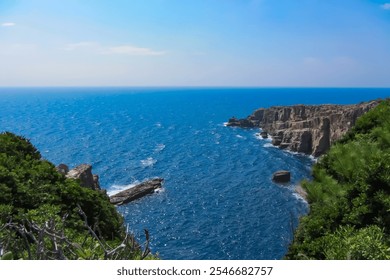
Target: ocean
[[218, 199]]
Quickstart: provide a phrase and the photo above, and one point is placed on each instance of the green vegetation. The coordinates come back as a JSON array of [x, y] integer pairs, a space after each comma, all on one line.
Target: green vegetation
[[349, 196], [44, 215]]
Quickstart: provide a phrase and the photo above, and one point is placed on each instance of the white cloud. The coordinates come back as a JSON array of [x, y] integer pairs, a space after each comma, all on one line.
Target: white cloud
[[8, 24], [386, 6], [131, 50], [81, 45], [120, 50]]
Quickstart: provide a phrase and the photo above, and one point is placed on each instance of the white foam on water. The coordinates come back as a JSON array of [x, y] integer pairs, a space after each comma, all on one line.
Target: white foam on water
[[159, 147], [158, 124], [159, 190], [240, 136], [148, 162], [269, 145], [258, 136], [299, 197], [225, 123], [114, 189]]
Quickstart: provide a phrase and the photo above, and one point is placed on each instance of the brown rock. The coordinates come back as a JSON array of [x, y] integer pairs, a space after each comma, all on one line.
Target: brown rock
[[276, 140], [83, 173], [136, 192], [306, 128], [62, 168]]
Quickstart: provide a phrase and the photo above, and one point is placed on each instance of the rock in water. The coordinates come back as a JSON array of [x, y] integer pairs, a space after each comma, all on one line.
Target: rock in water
[[136, 192], [281, 176], [264, 134], [83, 173], [240, 123]]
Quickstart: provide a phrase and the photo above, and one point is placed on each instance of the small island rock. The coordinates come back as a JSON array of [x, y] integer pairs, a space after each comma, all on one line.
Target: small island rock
[[136, 192], [282, 176]]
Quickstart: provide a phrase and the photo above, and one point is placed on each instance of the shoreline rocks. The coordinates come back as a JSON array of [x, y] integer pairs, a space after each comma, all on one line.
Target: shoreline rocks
[[83, 173], [136, 192], [308, 129]]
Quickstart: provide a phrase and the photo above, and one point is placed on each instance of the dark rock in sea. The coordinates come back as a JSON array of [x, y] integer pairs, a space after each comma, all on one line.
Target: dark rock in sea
[[264, 134], [83, 173], [309, 129], [136, 192], [62, 168], [281, 176], [240, 123]]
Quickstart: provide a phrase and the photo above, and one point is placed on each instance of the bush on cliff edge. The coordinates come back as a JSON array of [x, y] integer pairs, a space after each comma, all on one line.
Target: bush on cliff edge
[[44, 215], [350, 196]]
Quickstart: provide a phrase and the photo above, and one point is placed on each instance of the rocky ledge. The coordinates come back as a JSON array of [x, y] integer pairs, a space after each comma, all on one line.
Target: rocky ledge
[[83, 173], [309, 129], [136, 192]]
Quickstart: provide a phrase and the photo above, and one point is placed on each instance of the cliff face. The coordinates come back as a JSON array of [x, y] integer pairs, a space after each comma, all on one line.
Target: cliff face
[[309, 129]]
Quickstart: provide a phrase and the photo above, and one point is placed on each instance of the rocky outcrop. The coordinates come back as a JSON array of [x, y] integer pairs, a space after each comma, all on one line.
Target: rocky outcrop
[[83, 173], [309, 129], [136, 192], [63, 169], [281, 176], [240, 123]]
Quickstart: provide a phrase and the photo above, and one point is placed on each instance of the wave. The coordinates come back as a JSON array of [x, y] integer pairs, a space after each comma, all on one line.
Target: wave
[[269, 145], [159, 147], [148, 162], [258, 136], [114, 189], [240, 136]]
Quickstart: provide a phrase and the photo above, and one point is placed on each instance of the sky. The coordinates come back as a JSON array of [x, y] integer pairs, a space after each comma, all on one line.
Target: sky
[[229, 43]]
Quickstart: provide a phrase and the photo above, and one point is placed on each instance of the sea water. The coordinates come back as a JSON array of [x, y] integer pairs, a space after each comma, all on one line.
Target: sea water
[[218, 200]]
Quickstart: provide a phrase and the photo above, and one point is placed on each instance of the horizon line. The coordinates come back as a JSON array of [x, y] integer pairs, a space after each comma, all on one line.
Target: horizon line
[[198, 87]]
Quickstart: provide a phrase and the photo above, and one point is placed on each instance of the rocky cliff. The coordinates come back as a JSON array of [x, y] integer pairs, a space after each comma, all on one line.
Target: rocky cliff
[[309, 129], [83, 173]]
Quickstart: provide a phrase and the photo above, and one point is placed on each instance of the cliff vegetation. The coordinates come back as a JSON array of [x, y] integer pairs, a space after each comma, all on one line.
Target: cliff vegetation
[[349, 196], [44, 215]]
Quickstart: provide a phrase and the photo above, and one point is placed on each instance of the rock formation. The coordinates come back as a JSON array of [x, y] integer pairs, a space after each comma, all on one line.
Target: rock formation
[[83, 173], [136, 192], [282, 176], [309, 129]]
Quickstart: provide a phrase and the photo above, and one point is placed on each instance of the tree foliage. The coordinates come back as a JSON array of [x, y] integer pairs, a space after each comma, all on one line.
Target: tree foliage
[[350, 196], [44, 215]]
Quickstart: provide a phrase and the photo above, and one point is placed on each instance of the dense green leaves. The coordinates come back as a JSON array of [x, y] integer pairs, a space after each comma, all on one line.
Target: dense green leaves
[[350, 196], [40, 210]]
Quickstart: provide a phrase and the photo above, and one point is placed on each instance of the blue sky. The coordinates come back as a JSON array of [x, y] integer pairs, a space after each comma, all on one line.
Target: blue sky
[[254, 43]]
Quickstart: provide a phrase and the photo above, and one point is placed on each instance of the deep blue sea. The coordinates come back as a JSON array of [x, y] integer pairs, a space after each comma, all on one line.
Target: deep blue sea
[[218, 200]]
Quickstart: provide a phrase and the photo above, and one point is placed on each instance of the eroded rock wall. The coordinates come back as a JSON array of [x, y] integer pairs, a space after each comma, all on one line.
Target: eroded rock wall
[[309, 129]]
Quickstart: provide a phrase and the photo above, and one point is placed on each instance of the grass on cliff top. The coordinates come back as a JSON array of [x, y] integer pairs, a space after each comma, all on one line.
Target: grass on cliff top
[[350, 196], [43, 215]]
